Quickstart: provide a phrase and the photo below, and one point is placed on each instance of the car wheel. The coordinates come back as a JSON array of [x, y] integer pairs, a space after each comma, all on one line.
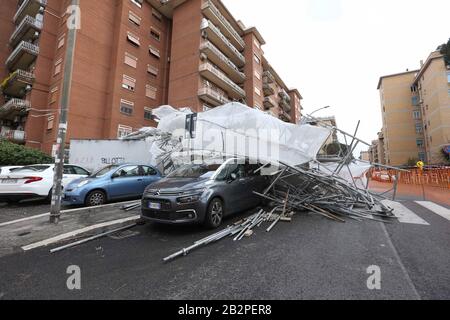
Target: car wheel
[[49, 197], [95, 198], [214, 215]]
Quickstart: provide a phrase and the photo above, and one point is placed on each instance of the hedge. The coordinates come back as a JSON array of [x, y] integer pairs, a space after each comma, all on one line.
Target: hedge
[[12, 154]]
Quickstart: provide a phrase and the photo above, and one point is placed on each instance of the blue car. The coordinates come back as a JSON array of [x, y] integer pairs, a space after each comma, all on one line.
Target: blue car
[[115, 182]]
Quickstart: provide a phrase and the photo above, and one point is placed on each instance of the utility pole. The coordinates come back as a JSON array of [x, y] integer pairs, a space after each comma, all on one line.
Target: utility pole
[[72, 25]]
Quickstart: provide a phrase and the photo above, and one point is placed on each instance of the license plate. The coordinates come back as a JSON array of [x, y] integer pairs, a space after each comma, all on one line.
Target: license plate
[[154, 205], [9, 181]]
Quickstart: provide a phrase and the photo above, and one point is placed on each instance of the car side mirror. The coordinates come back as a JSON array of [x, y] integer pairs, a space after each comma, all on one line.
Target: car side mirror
[[233, 177], [114, 176]]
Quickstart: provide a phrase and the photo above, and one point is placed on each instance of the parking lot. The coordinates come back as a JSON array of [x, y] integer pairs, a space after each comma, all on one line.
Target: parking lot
[[308, 258]]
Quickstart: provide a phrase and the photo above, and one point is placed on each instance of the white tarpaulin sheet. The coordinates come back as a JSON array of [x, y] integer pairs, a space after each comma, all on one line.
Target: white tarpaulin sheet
[[236, 129]]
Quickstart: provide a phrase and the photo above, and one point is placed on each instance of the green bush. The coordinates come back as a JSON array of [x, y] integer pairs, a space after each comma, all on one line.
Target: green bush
[[13, 154]]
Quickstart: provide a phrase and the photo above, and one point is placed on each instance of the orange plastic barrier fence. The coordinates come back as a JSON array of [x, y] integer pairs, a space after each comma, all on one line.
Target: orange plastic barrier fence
[[436, 177]]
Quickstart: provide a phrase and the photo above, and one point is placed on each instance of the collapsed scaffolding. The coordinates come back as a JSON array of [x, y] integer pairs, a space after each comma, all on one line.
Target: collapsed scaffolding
[[303, 180]]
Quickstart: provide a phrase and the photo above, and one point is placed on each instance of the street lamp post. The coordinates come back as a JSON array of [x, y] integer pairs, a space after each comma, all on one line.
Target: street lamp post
[[304, 119]]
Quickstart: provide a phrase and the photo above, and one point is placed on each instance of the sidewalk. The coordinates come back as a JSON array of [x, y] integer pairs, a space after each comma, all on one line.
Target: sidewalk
[[33, 232], [415, 192]]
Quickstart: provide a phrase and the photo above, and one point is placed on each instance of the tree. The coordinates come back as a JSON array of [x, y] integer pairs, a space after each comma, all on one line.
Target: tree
[[12, 154], [445, 50]]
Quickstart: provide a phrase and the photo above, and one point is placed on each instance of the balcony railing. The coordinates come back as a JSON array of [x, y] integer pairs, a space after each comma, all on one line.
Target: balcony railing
[[269, 103], [25, 31], [29, 8], [268, 77], [216, 56], [268, 89], [22, 56], [17, 136], [16, 83], [221, 80], [285, 116], [212, 96], [285, 105], [222, 42], [14, 108], [213, 13], [283, 95]]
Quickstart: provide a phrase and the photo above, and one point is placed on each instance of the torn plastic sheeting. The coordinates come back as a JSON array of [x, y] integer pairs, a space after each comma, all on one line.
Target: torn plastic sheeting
[[357, 172], [239, 130]]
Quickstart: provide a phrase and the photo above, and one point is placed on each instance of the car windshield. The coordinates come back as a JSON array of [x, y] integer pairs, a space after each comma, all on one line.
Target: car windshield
[[102, 172], [31, 168], [194, 171]]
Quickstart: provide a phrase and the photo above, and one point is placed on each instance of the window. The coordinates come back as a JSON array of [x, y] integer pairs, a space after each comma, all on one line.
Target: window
[[152, 70], [123, 131], [134, 18], [130, 60], [61, 41], [419, 128], [416, 114], [415, 100], [257, 75], [257, 107], [257, 91], [128, 83], [155, 34], [256, 42], [138, 3], [148, 113], [419, 143], [50, 122], [58, 64], [153, 51], [126, 107], [257, 59], [127, 172], [156, 14], [53, 95], [150, 91], [79, 171], [448, 77], [422, 156], [149, 171], [134, 39]]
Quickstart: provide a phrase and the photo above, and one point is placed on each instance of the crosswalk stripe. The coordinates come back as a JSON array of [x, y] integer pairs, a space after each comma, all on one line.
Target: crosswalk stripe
[[403, 214], [439, 210]]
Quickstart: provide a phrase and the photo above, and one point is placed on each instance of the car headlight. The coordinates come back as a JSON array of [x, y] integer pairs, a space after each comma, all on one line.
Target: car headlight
[[82, 183], [193, 196]]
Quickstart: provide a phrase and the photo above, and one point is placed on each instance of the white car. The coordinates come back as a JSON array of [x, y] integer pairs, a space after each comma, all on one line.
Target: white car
[[35, 181]]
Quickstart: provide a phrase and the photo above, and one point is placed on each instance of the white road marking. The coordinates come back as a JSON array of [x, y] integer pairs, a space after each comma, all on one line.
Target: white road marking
[[439, 210], [403, 214], [68, 235], [66, 211]]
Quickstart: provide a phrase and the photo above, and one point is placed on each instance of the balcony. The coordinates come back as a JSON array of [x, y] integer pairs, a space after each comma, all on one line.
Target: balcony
[[29, 8], [269, 103], [16, 136], [211, 96], [22, 56], [285, 105], [15, 85], [285, 116], [211, 73], [219, 59], [220, 41], [268, 89], [268, 77], [284, 96], [213, 14], [14, 108], [27, 30]]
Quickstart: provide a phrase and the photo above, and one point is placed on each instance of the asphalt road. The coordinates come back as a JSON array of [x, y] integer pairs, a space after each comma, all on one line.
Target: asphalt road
[[309, 258]]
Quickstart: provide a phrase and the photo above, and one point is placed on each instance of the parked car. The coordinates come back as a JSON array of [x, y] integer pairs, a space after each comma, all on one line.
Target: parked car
[[204, 193], [114, 182], [35, 181]]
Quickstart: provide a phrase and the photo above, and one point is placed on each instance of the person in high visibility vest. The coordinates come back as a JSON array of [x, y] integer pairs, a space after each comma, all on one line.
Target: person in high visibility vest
[[420, 165]]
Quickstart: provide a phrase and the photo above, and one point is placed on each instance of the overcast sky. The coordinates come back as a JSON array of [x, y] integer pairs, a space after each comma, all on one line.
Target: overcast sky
[[334, 51]]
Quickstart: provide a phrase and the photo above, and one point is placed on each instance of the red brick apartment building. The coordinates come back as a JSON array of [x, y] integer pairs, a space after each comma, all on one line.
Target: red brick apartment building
[[131, 56]]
